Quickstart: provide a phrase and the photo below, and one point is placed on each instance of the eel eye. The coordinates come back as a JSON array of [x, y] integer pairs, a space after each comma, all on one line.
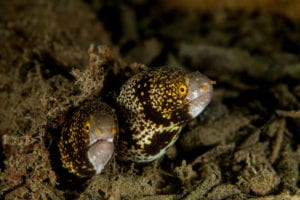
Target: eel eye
[[182, 89], [87, 126]]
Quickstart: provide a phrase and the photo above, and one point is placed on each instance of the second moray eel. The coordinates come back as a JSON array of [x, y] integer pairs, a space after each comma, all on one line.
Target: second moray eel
[[153, 107]]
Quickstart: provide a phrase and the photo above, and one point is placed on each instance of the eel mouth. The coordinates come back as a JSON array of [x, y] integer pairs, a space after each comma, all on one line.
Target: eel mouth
[[100, 152], [109, 140], [199, 94], [202, 95]]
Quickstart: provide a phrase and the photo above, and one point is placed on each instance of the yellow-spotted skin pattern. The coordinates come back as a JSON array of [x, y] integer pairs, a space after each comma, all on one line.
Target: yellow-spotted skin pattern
[[153, 107], [87, 126]]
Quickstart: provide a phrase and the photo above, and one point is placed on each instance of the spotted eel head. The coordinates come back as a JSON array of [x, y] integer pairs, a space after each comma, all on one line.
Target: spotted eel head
[[169, 95]]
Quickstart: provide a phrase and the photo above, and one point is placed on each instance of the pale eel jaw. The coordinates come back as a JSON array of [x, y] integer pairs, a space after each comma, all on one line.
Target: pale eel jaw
[[100, 152], [199, 94]]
